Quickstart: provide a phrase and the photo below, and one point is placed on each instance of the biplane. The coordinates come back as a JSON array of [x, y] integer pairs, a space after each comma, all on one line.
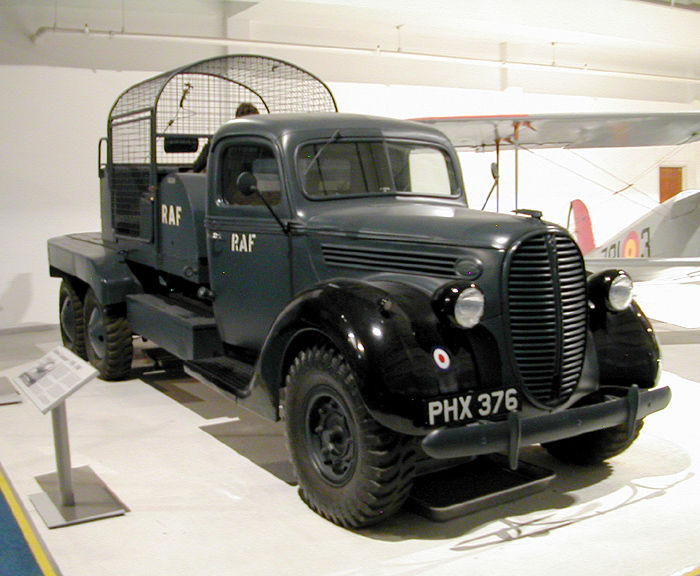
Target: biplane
[[664, 242]]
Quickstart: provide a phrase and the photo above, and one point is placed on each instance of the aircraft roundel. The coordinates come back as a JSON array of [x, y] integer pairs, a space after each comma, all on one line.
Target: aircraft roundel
[[441, 358], [630, 248]]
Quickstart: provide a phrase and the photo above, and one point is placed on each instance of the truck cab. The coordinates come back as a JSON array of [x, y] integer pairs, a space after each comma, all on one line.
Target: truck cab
[[317, 179]]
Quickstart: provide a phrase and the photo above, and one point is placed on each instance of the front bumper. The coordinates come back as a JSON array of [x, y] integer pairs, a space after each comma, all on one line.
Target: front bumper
[[511, 434]]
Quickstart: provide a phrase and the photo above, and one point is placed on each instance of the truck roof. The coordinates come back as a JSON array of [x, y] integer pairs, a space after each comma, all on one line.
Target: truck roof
[[322, 124]]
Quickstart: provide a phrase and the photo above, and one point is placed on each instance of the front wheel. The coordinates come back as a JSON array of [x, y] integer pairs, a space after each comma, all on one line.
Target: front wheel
[[351, 470], [595, 447], [107, 339]]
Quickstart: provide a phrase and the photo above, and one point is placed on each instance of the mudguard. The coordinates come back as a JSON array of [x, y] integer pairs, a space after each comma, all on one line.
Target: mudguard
[[87, 258], [625, 339], [387, 331]]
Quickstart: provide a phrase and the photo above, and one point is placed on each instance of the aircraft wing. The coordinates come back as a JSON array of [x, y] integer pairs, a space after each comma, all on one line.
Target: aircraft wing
[[570, 130], [650, 269]]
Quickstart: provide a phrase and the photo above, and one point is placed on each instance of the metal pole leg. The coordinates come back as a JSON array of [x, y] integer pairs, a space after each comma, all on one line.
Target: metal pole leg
[[60, 435]]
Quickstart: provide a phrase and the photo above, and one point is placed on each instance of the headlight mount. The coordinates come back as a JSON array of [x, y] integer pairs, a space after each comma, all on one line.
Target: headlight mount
[[612, 289], [462, 303]]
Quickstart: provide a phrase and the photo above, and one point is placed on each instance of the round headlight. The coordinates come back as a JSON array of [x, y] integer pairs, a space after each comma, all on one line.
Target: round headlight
[[469, 307], [620, 292]]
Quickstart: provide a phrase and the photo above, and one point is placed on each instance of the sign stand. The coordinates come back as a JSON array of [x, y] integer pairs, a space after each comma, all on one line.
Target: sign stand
[[71, 495], [60, 438]]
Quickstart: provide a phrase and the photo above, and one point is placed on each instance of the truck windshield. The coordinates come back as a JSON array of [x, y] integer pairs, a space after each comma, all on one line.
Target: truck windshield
[[358, 168]]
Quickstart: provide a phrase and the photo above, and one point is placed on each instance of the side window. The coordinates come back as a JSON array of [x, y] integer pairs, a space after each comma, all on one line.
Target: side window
[[420, 169], [429, 172], [259, 160]]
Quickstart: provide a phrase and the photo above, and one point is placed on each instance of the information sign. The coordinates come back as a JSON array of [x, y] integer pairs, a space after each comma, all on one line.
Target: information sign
[[53, 378]]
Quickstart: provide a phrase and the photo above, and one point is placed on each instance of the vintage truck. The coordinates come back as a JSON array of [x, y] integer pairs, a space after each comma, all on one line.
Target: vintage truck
[[325, 268]]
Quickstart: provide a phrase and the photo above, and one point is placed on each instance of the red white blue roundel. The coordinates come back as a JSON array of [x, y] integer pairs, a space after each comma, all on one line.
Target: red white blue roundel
[[441, 358]]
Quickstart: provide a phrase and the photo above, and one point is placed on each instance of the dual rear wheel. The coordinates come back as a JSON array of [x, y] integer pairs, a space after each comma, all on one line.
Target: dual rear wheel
[[97, 333], [70, 309]]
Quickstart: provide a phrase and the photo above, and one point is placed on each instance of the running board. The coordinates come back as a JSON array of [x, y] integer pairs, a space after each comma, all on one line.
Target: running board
[[224, 374], [233, 379]]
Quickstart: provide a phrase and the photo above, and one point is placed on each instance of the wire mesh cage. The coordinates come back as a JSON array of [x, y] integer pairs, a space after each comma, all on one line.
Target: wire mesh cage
[[194, 100]]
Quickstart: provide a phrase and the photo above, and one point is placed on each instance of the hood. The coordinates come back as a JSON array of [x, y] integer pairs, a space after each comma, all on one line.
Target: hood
[[430, 222]]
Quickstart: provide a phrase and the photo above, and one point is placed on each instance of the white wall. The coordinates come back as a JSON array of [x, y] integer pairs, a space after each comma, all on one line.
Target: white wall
[[51, 120]]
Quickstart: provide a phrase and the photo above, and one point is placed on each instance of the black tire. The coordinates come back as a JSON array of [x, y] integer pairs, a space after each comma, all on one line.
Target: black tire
[[70, 311], [351, 470], [594, 447], [107, 339]]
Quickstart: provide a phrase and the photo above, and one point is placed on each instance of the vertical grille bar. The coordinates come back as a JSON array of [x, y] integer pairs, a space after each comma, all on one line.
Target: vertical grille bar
[[546, 296]]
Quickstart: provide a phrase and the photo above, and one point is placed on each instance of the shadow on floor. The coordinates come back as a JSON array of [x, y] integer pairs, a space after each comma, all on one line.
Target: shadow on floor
[[263, 443], [259, 440]]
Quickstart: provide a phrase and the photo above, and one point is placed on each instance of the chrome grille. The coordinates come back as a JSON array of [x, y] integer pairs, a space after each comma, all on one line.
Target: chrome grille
[[416, 262], [546, 295]]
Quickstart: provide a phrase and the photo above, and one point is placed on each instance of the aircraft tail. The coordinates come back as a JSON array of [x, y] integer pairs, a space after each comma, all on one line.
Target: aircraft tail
[[583, 228]]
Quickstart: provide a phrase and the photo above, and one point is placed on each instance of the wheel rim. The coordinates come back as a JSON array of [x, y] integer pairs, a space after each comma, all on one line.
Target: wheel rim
[[96, 333], [330, 437], [68, 321]]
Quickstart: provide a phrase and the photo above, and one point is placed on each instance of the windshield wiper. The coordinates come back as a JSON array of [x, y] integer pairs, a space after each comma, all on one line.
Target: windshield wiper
[[327, 143]]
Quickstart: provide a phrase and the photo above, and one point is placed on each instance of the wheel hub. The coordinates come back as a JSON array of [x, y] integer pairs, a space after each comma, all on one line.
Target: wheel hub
[[68, 320], [96, 333], [330, 437]]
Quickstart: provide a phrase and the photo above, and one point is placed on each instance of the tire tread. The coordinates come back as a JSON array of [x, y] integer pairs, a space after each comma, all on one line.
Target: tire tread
[[77, 344], [389, 465], [116, 363]]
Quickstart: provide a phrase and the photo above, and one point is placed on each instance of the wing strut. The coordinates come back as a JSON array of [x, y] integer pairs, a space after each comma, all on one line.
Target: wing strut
[[513, 140], [516, 126]]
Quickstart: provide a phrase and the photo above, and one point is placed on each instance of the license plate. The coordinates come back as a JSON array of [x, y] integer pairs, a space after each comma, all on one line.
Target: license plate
[[471, 406]]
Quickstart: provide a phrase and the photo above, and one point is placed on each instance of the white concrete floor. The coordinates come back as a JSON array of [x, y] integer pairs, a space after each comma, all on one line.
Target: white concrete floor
[[208, 490]]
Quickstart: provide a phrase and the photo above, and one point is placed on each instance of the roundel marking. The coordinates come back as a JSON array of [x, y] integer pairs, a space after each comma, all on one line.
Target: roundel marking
[[442, 358], [630, 248]]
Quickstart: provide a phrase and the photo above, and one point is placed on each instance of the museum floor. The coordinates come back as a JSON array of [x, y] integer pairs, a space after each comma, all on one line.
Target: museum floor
[[210, 491]]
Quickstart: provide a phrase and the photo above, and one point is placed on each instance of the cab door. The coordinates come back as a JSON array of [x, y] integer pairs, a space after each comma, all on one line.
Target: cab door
[[249, 253]]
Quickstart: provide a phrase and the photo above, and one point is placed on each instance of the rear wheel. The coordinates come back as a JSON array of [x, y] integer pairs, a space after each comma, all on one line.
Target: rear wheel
[[107, 339], [70, 309], [351, 470]]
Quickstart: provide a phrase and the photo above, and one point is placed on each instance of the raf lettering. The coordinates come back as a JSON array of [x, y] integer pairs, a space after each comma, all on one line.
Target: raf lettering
[[170, 214], [242, 242]]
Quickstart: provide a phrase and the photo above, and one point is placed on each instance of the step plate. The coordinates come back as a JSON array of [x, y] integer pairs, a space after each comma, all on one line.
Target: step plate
[[482, 483], [181, 331], [228, 374]]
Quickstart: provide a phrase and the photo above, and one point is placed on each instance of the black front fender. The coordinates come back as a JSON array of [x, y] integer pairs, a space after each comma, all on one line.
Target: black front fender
[[387, 331], [626, 339]]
